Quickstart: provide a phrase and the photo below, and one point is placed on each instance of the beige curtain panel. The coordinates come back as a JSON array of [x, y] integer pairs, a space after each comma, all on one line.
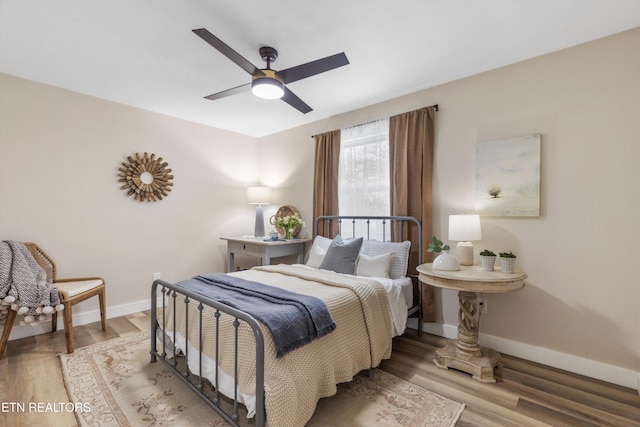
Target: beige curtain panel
[[411, 143], [325, 179]]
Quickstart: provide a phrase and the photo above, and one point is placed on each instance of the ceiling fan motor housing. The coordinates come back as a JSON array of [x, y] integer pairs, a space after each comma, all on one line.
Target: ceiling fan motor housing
[[268, 54]]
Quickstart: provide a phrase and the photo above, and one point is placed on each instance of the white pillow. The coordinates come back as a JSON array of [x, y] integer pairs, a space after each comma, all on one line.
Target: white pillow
[[400, 250], [374, 266], [322, 242], [318, 251], [316, 255]]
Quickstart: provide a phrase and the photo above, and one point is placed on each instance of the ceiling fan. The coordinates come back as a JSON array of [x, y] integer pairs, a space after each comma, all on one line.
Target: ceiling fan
[[268, 83]]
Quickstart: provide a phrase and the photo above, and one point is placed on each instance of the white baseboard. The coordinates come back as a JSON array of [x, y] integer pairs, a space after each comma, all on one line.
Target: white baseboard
[[83, 318], [568, 362]]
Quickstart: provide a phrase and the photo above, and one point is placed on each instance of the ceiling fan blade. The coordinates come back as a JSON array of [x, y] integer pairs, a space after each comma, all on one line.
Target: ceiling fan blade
[[229, 92], [228, 52], [297, 103], [314, 67]]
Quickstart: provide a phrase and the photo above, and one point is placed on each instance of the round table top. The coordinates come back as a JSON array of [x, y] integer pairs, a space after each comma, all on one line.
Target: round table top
[[472, 279]]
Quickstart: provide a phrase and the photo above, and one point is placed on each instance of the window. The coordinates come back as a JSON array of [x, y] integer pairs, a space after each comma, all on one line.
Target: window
[[363, 173]]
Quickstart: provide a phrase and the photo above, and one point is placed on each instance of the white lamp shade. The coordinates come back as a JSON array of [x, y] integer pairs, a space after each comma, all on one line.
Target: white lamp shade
[[464, 228], [259, 195]]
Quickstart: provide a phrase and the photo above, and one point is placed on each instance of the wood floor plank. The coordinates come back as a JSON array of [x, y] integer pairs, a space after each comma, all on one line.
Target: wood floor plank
[[579, 403], [573, 381], [551, 416]]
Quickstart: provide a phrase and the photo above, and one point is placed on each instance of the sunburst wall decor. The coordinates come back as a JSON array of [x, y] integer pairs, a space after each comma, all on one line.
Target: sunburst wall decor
[[145, 178]]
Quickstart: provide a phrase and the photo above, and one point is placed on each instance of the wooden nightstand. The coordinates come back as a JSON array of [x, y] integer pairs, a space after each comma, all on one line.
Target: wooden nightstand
[[465, 354], [265, 250]]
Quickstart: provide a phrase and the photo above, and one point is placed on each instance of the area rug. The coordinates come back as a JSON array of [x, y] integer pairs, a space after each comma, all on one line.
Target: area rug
[[113, 384]]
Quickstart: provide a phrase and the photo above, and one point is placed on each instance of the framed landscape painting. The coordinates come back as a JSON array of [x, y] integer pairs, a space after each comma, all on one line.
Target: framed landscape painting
[[508, 177]]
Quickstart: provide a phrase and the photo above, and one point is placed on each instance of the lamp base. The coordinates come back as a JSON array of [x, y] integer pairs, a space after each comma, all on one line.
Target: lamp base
[[464, 252], [259, 228]]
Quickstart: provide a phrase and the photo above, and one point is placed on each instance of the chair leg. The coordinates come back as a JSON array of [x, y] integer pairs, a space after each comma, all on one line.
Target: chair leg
[[103, 308], [54, 321], [67, 316], [6, 331]]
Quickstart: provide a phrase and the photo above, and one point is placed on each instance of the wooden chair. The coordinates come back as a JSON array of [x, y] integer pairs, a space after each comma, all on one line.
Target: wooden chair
[[71, 291]]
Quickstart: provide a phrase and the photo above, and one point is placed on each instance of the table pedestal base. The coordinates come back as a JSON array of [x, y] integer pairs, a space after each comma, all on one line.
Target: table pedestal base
[[480, 366]]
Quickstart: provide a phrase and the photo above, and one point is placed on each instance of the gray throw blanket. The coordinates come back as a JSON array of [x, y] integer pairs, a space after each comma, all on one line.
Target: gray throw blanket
[[293, 319], [23, 285]]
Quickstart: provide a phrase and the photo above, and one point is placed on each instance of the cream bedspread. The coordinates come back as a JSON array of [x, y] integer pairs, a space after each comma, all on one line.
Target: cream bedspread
[[295, 382]]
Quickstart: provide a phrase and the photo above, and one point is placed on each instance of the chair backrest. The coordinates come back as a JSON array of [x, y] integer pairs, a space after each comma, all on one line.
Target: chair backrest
[[43, 259]]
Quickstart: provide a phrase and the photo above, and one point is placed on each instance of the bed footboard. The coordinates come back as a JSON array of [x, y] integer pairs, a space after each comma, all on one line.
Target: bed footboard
[[168, 292]]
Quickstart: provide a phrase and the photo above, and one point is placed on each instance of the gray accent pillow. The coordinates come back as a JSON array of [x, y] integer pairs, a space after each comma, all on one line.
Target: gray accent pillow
[[341, 256]]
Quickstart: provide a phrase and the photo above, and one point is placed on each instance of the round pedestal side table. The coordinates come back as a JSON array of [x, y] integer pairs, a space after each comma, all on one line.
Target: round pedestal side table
[[466, 354]]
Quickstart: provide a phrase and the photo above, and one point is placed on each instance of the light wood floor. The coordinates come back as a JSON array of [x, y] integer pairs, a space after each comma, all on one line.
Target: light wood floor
[[526, 393]]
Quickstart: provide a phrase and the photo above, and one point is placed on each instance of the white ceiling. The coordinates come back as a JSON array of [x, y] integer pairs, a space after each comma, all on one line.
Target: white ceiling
[[143, 52]]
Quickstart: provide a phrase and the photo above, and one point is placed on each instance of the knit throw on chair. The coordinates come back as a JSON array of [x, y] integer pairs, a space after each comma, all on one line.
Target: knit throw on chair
[[23, 285]]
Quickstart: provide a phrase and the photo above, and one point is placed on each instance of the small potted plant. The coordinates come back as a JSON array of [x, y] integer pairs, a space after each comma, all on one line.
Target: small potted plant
[[507, 261], [444, 261], [488, 259]]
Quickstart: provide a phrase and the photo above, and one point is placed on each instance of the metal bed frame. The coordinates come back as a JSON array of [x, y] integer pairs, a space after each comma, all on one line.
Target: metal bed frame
[[402, 221], [170, 292]]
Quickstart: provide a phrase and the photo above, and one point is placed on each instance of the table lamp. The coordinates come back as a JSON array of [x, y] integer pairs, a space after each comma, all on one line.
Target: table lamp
[[464, 229], [259, 196]]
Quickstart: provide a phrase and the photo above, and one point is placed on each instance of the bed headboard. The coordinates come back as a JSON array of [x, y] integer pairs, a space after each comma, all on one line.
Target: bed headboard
[[386, 229], [373, 228]]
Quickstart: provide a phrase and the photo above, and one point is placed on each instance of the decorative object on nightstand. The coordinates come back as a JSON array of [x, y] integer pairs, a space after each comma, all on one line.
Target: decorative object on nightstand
[[488, 259], [289, 224], [508, 262], [259, 196], [277, 219], [444, 261], [464, 229]]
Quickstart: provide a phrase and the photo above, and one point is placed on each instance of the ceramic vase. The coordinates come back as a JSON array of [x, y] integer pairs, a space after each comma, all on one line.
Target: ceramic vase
[[446, 261]]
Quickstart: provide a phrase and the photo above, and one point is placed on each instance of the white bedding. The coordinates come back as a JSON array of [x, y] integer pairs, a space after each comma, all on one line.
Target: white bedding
[[400, 293]]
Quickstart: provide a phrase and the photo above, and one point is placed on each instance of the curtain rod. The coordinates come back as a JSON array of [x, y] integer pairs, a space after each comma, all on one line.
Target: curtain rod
[[362, 124], [435, 107]]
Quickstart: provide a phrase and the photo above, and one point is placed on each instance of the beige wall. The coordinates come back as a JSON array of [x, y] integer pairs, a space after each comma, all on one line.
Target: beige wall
[[59, 158], [59, 154], [583, 293]]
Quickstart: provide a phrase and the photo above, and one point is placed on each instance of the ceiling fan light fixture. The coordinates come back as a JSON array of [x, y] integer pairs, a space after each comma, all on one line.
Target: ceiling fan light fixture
[[268, 86]]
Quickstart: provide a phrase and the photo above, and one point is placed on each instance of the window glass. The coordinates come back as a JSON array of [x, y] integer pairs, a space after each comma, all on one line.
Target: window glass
[[363, 176]]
